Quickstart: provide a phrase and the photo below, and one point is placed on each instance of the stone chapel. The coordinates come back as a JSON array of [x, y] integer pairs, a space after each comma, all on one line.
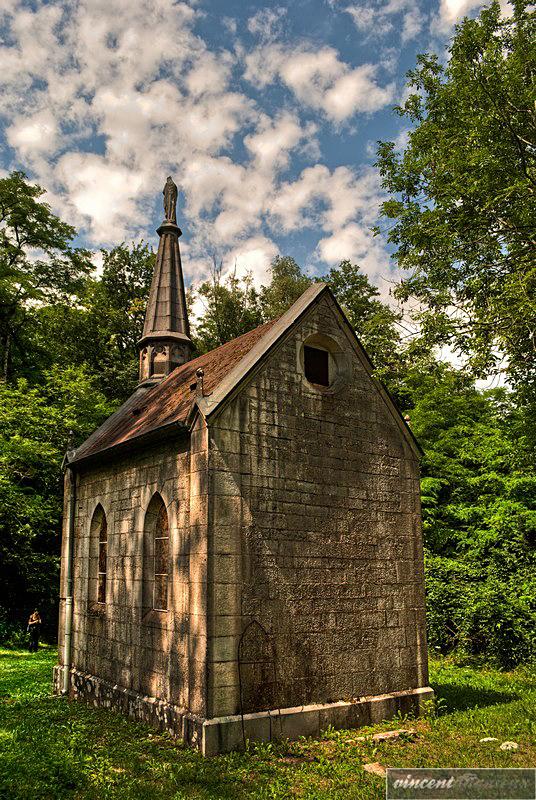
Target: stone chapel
[[242, 553]]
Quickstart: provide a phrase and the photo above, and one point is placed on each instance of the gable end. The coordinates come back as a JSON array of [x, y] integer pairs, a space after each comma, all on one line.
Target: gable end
[[281, 330]]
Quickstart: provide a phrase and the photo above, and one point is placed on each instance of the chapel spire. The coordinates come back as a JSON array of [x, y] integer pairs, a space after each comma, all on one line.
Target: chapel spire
[[166, 342]]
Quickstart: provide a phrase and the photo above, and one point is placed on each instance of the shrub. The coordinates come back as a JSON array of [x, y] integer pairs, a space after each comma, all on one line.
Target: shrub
[[472, 612], [12, 632]]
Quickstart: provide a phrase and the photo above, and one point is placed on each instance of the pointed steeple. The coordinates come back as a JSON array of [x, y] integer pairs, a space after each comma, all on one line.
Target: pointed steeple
[[166, 342]]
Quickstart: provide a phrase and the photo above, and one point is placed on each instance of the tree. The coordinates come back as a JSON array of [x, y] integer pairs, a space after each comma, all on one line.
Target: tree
[[231, 308], [116, 308], [287, 283], [102, 329], [463, 193], [37, 264], [36, 425], [479, 518], [374, 322]]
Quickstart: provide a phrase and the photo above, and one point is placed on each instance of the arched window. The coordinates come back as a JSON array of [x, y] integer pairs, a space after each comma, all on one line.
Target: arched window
[[156, 557], [98, 557]]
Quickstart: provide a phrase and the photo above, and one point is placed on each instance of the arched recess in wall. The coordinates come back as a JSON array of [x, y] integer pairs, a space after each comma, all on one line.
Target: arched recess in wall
[[257, 669], [98, 559], [156, 561]]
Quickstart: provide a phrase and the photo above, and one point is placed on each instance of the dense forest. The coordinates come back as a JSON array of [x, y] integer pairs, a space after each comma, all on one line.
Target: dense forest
[[460, 220]]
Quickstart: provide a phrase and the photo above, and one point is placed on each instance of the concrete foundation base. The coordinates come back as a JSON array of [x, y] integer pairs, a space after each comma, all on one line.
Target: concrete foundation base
[[223, 734]]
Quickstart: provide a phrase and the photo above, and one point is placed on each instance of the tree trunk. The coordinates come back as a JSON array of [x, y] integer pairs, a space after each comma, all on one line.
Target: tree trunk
[[7, 353]]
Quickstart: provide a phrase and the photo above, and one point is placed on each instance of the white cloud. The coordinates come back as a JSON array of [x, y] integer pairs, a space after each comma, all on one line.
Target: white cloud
[[253, 256], [329, 199], [36, 134], [274, 140], [357, 91], [452, 11], [412, 25], [101, 193], [237, 196], [210, 75], [229, 24], [368, 19], [401, 140], [101, 73], [343, 205], [231, 194], [319, 79], [266, 22], [356, 243], [97, 260], [377, 19]]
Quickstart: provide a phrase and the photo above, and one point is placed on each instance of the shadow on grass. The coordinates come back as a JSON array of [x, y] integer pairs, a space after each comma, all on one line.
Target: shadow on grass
[[461, 698]]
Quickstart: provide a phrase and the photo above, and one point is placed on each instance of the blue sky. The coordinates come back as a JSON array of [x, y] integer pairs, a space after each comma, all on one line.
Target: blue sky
[[266, 115]]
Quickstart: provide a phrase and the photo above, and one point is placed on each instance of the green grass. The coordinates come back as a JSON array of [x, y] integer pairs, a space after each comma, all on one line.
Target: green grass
[[50, 748]]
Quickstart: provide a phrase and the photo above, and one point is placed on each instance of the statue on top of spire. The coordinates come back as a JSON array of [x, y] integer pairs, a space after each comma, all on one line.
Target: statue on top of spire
[[170, 201]]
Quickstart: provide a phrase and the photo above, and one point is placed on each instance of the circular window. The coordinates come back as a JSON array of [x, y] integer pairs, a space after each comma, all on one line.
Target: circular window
[[323, 363]]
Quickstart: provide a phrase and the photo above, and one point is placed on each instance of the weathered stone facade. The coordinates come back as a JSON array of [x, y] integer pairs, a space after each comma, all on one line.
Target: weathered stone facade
[[115, 641], [315, 533], [296, 566]]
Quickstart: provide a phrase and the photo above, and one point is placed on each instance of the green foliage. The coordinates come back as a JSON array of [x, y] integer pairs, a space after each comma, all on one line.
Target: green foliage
[[37, 264], [96, 753], [287, 283], [479, 503], [463, 199], [231, 308], [35, 427], [13, 632], [116, 306], [102, 328], [473, 612], [68, 344]]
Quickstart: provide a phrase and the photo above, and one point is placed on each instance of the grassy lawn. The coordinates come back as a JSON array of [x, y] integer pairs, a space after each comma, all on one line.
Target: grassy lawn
[[50, 748]]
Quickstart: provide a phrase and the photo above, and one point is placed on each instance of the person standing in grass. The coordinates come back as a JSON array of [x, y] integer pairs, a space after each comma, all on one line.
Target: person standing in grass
[[34, 628]]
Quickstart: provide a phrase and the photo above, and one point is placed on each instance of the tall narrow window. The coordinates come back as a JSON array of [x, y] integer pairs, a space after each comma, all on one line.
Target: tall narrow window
[[161, 560], [156, 560], [103, 558], [98, 559]]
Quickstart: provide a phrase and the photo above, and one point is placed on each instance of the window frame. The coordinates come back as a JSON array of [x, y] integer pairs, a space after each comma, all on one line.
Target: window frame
[[157, 564], [102, 574], [164, 557], [98, 543]]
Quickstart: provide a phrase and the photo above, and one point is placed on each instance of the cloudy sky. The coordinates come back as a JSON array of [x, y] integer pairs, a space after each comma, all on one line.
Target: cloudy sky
[[266, 115]]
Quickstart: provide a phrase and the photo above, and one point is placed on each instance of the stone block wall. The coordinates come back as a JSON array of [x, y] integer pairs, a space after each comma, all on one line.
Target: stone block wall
[[315, 535], [156, 653]]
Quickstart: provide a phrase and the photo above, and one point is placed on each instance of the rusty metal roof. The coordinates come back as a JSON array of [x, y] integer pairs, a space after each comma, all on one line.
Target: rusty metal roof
[[170, 402]]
